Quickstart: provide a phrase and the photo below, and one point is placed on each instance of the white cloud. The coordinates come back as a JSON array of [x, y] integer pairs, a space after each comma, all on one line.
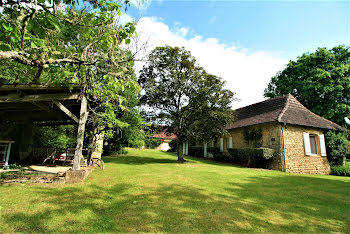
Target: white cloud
[[247, 74]]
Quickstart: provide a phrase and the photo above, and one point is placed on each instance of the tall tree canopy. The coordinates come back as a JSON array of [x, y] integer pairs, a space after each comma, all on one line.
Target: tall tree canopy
[[319, 80], [182, 95], [70, 42]]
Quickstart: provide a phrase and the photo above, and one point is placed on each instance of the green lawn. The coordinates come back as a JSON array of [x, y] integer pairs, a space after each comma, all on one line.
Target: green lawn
[[148, 191]]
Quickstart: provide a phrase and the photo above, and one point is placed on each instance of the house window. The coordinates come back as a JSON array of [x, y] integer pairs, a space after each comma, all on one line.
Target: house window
[[313, 144], [310, 144]]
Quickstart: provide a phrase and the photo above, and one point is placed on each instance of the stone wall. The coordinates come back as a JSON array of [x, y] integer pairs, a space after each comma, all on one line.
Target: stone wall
[[271, 138], [296, 160]]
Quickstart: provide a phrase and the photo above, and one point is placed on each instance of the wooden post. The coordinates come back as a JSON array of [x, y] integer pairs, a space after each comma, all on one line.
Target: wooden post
[[205, 150], [80, 136]]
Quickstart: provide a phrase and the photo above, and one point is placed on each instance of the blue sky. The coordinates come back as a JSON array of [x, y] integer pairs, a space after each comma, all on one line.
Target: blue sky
[[261, 36], [290, 27]]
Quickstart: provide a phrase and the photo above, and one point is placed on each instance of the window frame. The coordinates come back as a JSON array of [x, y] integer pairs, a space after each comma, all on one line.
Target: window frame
[[313, 136]]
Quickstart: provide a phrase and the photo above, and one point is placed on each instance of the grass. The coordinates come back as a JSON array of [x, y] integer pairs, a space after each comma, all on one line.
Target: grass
[[148, 191]]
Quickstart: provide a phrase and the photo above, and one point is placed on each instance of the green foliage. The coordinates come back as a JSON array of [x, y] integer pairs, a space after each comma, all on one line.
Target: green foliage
[[182, 95], [253, 137], [319, 80], [252, 157], [196, 151], [151, 142], [173, 146], [341, 170], [217, 154], [338, 147], [121, 151], [61, 137], [66, 43], [15, 166], [213, 150]]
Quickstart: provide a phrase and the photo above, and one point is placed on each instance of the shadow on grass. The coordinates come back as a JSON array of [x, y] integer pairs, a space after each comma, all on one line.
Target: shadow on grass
[[261, 204], [137, 160]]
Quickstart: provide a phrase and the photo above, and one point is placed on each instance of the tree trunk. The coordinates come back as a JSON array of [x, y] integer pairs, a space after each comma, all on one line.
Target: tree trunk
[[81, 130], [180, 156]]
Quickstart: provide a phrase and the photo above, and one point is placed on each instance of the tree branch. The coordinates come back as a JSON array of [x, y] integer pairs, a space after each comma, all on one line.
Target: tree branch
[[20, 57]]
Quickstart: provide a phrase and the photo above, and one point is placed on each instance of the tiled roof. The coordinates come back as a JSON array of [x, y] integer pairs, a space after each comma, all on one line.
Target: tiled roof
[[164, 135], [283, 109]]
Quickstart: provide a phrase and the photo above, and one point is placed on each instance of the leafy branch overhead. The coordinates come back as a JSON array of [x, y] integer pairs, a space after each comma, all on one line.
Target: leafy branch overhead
[[66, 43]]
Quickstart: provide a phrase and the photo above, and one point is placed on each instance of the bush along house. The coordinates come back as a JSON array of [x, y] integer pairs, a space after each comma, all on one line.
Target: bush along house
[[280, 132]]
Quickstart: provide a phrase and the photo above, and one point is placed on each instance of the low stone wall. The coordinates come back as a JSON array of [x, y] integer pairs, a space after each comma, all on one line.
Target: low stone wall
[[72, 177]]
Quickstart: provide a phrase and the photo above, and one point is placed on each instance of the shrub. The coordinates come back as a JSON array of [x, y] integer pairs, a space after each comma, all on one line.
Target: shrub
[[152, 143], [173, 146], [337, 147], [218, 156], [196, 151], [15, 166], [252, 157], [122, 151], [341, 170], [213, 150]]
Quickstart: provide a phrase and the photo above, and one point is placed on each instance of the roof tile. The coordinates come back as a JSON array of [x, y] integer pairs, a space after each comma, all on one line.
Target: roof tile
[[283, 109]]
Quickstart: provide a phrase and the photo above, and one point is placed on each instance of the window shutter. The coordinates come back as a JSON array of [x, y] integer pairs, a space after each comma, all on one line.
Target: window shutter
[[230, 143], [221, 144], [323, 145], [307, 145]]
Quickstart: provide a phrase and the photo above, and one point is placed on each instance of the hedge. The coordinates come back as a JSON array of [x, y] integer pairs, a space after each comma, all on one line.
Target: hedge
[[196, 151], [252, 157], [341, 170]]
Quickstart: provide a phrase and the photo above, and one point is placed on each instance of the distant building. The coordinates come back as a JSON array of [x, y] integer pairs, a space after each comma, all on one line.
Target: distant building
[[165, 139]]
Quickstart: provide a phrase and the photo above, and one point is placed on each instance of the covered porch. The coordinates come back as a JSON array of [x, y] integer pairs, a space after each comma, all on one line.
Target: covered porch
[[23, 107]]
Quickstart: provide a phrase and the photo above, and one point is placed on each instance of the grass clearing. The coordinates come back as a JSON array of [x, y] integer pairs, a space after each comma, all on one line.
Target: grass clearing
[[148, 191]]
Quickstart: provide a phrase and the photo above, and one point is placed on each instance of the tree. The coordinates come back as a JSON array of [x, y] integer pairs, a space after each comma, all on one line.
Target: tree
[[182, 95], [338, 147], [70, 42], [319, 80]]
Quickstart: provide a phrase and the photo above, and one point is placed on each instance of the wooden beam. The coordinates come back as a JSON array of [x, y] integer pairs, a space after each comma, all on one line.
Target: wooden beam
[[54, 123], [42, 107], [34, 116], [66, 111], [37, 97], [81, 130]]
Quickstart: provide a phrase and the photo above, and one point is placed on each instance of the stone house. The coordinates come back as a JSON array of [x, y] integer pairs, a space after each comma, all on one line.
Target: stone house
[[295, 133]]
